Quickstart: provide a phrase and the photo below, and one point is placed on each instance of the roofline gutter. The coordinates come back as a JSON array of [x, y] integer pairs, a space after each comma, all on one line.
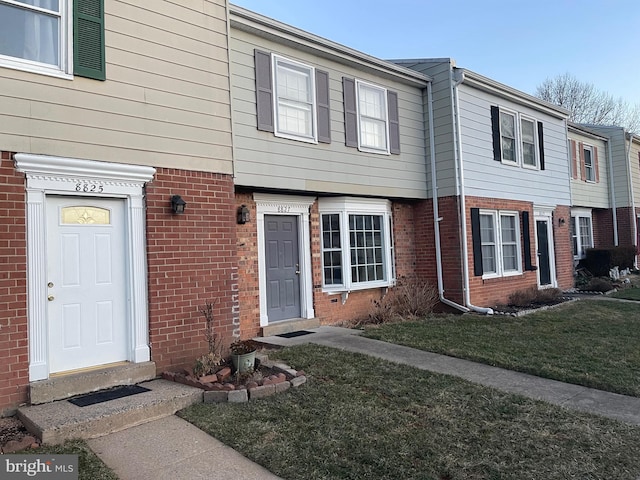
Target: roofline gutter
[[616, 240], [455, 107]]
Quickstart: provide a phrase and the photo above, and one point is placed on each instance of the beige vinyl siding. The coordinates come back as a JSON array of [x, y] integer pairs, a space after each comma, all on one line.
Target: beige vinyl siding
[[635, 169], [264, 160], [165, 102], [618, 146], [590, 194], [485, 177]]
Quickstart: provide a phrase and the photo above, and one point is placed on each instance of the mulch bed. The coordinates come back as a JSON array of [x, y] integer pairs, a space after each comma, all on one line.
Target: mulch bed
[[14, 436]]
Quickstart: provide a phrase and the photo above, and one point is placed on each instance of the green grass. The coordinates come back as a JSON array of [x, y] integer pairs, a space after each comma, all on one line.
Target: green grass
[[359, 417], [627, 294], [592, 343], [90, 467]]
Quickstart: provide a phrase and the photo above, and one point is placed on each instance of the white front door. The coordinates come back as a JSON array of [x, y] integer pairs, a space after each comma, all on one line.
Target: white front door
[[87, 282]]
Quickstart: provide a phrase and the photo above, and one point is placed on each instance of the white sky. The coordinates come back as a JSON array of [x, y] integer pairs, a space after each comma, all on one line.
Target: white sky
[[511, 41]]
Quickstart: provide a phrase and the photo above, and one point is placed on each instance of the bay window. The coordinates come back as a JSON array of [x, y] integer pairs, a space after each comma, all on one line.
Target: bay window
[[357, 247]]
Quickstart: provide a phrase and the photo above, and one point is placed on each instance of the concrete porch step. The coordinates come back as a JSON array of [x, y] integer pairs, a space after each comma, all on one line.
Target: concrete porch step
[[68, 385], [288, 326], [58, 421]]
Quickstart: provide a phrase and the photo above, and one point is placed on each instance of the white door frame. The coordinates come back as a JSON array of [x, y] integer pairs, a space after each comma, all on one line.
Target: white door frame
[[48, 175], [546, 214], [267, 204]]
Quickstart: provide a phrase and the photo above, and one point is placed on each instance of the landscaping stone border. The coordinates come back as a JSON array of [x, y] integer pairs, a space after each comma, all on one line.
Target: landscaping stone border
[[217, 389], [522, 313]]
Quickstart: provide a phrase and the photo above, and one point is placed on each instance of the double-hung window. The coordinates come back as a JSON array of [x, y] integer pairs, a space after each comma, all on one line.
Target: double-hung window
[[372, 117], [517, 139], [508, 137], [500, 243], [581, 232], [53, 37], [528, 142], [357, 246], [589, 168], [294, 99], [35, 35]]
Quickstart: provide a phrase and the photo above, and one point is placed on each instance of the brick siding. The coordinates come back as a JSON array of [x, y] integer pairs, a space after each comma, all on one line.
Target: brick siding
[[14, 354]]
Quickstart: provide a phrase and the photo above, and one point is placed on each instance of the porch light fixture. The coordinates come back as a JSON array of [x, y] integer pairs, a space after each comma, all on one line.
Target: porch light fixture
[[178, 205], [561, 221], [243, 215]]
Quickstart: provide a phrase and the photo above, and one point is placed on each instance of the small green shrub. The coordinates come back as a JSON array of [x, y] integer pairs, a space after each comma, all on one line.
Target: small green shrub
[[600, 260], [533, 296]]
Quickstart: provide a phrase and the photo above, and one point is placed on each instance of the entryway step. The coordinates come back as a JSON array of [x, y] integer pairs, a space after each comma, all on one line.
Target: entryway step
[[58, 421], [68, 385], [288, 326]]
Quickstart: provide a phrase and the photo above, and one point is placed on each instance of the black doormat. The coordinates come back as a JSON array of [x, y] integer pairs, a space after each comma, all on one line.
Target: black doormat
[[106, 395], [297, 333]]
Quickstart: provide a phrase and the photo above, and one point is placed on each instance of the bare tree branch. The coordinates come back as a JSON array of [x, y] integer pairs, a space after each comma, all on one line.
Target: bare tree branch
[[587, 104]]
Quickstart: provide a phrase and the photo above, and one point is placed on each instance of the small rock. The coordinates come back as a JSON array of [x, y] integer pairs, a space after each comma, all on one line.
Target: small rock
[[209, 378], [296, 382], [251, 385], [300, 373], [228, 387], [16, 445], [224, 374]]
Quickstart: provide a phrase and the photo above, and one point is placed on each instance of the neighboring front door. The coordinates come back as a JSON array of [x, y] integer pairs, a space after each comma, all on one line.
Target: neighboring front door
[[283, 267], [544, 257], [87, 282]]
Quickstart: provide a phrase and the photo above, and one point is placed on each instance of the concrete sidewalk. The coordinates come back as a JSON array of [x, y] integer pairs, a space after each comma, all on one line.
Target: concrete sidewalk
[[173, 449]]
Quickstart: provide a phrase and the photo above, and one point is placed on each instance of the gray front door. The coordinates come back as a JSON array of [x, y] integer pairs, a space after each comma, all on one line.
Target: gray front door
[[283, 267]]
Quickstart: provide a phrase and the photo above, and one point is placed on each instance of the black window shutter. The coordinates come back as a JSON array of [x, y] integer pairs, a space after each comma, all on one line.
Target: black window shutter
[[324, 109], [264, 91], [88, 39], [541, 144], [526, 241], [350, 114], [495, 132], [394, 122], [477, 245]]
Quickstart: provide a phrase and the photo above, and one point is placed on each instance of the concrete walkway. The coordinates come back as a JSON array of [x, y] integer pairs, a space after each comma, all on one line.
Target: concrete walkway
[[173, 449]]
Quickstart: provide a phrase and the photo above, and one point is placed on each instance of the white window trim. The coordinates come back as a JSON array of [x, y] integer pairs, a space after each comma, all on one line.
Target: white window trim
[[344, 206], [385, 109], [591, 149], [519, 162], [275, 60], [536, 153], [576, 214], [516, 128], [497, 224], [65, 69]]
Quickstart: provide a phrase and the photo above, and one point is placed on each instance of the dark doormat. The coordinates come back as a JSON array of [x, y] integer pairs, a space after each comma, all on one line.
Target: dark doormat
[[297, 333], [106, 395]]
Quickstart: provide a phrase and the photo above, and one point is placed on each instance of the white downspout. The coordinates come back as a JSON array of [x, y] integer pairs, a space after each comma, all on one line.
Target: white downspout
[[436, 212], [633, 203], [463, 203], [613, 193]]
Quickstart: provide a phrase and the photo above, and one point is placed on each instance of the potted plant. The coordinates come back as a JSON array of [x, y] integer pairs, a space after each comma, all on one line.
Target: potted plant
[[243, 355]]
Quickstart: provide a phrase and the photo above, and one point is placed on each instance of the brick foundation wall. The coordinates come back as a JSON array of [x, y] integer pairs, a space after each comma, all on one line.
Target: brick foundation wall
[[602, 227], [248, 281], [14, 354], [563, 247], [192, 260], [625, 218]]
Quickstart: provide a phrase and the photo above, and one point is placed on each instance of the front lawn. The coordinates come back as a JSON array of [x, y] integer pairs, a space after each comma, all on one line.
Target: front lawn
[[632, 293], [90, 467], [592, 343], [360, 417]]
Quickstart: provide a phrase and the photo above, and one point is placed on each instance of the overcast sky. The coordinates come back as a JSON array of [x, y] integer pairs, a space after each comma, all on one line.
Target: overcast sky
[[511, 41]]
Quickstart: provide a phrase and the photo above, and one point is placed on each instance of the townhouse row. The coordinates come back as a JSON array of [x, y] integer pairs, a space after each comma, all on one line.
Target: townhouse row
[[153, 161]]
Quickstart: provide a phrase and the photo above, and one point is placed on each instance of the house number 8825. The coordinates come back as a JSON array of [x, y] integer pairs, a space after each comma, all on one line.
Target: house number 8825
[[284, 208], [89, 187]]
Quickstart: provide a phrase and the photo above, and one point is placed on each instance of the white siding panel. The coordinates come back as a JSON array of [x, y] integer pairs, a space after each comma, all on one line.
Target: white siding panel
[[589, 194], [485, 177], [264, 160]]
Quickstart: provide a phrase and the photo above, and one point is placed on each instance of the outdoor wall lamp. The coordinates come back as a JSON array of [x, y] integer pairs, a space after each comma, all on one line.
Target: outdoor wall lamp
[[561, 221], [178, 205], [243, 215]]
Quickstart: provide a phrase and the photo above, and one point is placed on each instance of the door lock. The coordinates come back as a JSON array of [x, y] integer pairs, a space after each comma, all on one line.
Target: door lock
[[50, 298], [50, 284]]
